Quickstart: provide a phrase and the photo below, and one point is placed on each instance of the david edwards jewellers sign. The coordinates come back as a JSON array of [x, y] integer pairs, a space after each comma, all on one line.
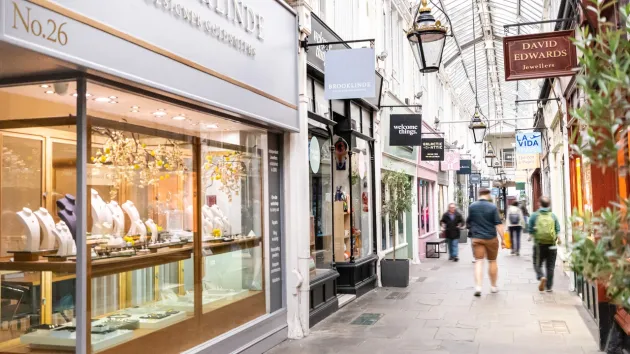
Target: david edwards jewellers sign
[[538, 56], [405, 130], [350, 74]]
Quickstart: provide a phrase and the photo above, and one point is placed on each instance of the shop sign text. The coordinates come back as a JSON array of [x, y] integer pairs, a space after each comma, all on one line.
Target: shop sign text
[[45, 28]]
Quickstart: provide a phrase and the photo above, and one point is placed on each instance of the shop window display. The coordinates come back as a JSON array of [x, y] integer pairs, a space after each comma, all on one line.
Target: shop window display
[[145, 220], [321, 203]]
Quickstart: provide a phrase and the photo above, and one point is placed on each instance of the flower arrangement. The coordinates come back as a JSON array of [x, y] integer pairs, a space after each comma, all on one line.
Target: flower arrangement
[[216, 232], [129, 157], [227, 168]]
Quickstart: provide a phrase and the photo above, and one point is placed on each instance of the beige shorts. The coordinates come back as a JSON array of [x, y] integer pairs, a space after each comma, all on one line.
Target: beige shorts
[[483, 248]]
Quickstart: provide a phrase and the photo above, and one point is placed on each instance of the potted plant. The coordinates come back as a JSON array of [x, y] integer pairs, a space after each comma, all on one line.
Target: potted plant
[[395, 272], [600, 252]]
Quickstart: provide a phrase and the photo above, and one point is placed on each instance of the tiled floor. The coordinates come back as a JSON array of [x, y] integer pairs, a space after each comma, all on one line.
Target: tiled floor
[[438, 314]]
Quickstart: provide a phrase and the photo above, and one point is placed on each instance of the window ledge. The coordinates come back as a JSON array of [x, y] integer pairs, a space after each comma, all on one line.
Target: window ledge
[[383, 253]]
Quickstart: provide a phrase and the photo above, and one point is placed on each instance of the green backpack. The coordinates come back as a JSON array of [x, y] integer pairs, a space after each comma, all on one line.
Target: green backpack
[[545, 229]]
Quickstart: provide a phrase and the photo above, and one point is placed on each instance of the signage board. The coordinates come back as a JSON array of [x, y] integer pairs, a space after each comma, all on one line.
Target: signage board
[[475, 178], [527, 161], [274, 145], [350, 74], [432, 149], [485, 183], [542, 55], [405, 129], [520, 176], [451, 161], [495, 192], [520, 186], [529, 143], [465, 167], [246, 54]]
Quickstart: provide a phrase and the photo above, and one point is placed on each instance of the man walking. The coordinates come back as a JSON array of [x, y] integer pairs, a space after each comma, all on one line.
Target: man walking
[[544, 228], [451, 223], [525, 213], [484, 224]]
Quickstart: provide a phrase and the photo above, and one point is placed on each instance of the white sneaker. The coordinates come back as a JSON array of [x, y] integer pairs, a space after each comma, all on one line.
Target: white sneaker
[[494, 290], [478, 291]]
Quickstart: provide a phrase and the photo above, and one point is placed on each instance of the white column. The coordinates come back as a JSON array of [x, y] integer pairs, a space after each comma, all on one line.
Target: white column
[[296, 211], [414, 222]]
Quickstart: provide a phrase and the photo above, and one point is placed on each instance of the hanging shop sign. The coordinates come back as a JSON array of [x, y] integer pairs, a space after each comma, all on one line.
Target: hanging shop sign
[[451, 161], [529, 143], [350, 74], [485, 183], [536, 56], [432, 149], [465, 167], [495, 192], [527, 161], [405, 129], [475, 178], [520, 186]]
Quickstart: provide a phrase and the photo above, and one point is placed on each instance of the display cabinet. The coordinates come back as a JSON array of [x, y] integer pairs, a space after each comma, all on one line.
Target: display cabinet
[[168, 224]]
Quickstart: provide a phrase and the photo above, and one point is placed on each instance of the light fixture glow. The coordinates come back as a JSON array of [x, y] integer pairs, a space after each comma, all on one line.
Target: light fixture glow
[[102, 99], [112, 97], [180, 117], [212, 126], [135, 107], [44, 86], [75, 95], [50, 92], [88, 94], [134, 111], [159, 113]]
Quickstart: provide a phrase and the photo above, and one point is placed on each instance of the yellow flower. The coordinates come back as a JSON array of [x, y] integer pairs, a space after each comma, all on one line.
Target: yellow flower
[[167, 176], [152, 152], [108, 150], [103, 159], [217, 177], [208, 157], [161, 178], [166, 166], [216, 233], [93, 159], [160, 163], [136, 166], [159, 228], [227, 158], [143, 145]]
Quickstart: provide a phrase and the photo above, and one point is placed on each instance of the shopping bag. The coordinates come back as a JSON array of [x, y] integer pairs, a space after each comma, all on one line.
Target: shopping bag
[[507, 243]]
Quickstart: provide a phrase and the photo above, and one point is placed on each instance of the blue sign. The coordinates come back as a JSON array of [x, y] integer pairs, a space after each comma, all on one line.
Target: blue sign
[[495, 192], [529, 143]]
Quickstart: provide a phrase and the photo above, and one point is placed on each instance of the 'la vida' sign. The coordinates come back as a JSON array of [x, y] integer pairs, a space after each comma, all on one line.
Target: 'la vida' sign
[[542, 55], [528, 143]]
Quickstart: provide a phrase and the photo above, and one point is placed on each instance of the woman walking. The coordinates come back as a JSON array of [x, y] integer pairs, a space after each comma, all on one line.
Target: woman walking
[[515, 223]]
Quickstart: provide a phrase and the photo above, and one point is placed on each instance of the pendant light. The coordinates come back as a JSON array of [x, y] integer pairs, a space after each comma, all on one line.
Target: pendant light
[[427, 38], [490, 155], [477, 125]]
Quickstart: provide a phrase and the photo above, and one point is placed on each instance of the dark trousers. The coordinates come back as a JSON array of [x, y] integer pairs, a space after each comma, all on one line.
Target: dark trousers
[[515, 237], [545, 254]]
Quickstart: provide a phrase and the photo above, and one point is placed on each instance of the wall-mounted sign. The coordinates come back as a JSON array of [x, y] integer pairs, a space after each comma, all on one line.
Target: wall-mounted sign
[[527, 161], [520, 186], [485, 183], [314, 155], [350, 74], [535, 56], [432, 149], [475, 178], [529, 143], [405, 129], [275, 204], [451, 161], [495, 192], [465, 167]]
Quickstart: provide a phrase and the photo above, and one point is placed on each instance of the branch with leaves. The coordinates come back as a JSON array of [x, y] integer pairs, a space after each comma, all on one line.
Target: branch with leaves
[[400, 188]]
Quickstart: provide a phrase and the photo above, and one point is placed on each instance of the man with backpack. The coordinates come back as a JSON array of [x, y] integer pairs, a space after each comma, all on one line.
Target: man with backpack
[[544, 228], [515, 223]]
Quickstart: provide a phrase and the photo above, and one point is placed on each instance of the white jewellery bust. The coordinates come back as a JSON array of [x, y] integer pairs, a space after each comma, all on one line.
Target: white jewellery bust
[[28, 219], [100, 214], [134, 216], [47, 224], [154, 230], [117, 217], [67, 247]]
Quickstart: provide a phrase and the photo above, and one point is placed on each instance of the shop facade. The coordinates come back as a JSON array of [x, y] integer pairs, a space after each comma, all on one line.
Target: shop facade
[[142, 193], [341, 187], [428, 212]]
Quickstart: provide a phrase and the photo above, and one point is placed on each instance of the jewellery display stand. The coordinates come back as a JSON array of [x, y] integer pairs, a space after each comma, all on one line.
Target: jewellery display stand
[[117, 217], [67, 246], [66, 213], [101, 215], [220, 220], [134, 216], [47, 224], [154, 231], [64, 338], [153, 317], [31, 226]]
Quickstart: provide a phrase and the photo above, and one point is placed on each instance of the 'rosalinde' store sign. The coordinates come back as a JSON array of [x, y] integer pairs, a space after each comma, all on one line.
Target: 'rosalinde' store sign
[[536, 56]]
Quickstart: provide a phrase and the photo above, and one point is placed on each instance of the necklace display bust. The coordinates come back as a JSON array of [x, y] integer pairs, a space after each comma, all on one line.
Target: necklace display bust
[[101, 214], [134, 216], [31, 226], [66, 213], [117, 217], [67, 246], [154, 230], [47, 224]]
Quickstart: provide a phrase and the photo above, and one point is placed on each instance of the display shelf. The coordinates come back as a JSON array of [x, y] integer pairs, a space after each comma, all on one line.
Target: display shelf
[[225, 247], [341, 232], [107, 266]]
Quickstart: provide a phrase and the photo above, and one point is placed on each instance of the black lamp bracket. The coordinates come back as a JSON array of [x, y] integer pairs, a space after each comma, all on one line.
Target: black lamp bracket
[[391, 107], [305, 44]]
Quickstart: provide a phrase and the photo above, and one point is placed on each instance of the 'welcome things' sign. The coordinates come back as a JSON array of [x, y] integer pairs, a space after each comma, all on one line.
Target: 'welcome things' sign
[[529, 143]]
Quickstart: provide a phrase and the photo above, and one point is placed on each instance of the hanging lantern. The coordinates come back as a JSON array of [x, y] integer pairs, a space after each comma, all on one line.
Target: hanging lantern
[[490, 155], [427, 37], [497, 167], [478, 127]]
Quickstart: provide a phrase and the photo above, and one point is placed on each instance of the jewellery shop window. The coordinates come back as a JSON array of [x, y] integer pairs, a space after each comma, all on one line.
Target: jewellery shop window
[[143, 215], [37, 194], [352, 207], [321, 203]]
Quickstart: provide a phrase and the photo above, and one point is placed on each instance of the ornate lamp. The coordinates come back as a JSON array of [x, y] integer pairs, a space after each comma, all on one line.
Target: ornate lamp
[[497, 167], [490, 155], [478, 127], [427, 37]]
